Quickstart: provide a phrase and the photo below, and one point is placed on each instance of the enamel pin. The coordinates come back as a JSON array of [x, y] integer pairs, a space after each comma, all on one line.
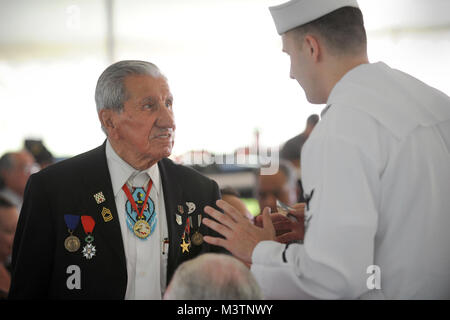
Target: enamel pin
[[99, 197], [106, 214], [191, 207]]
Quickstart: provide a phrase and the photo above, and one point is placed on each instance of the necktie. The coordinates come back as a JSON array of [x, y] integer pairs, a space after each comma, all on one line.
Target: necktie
[[141, 217]]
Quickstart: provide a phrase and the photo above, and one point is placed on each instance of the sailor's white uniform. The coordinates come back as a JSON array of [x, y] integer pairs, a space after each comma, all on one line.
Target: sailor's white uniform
[[377, 169]]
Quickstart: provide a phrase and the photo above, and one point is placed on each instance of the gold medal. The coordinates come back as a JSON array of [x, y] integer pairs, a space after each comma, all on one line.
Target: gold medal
[[197, 238], [72, 243], [142, 229], [185, 246]]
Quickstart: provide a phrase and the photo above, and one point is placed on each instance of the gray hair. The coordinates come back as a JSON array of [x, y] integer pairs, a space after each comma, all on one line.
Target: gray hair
[[213, 276], [110, 92]]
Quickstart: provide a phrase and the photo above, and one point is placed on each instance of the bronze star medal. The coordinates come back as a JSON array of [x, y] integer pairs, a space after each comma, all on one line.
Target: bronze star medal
[[185, 246]]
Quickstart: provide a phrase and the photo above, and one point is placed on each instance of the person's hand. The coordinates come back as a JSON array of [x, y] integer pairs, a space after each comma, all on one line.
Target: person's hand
[[241, 236], [286, 229]]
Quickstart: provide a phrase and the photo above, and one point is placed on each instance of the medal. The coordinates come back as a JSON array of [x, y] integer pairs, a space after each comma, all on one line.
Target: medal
[[187, 230], [88, 225], [141, 229], [185, 245], [141, 218], [72, 243], [197, 238]]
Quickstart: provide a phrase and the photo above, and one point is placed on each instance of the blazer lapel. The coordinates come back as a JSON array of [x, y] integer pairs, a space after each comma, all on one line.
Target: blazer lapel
[[173, 196], [98, 182]]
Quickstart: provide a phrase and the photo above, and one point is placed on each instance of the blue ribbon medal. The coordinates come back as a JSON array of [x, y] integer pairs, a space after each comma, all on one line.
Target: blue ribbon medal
[[72, 243]]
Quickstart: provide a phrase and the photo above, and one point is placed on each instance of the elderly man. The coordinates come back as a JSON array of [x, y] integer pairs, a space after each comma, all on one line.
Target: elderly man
[[115, 222], [15, 169], [213, 277], [375, 171]]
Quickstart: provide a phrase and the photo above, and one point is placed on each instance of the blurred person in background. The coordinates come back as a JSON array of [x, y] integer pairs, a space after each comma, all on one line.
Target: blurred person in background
[[292, 149], [15, 169], [8, 222], [279, 186], [40, 153]]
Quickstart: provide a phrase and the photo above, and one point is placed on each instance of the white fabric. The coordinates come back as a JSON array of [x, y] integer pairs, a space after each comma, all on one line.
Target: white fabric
[[295, 13], [379, 165], [13, 197], [146, 264]]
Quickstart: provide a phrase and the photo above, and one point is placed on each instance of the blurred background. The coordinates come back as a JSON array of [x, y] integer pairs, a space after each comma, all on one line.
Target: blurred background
[[223, 59]]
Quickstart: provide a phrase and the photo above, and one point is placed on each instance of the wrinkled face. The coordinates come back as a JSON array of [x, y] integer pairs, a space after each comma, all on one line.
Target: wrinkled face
[[146, 126], [302, 66], [8, 222], [273, 187]]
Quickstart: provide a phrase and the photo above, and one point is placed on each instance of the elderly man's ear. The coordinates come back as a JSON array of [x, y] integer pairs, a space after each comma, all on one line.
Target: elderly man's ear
[[107, 120]]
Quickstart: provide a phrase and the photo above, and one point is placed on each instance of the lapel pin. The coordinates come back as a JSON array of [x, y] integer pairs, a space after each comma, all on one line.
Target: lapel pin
[[106, 214], [191, 207], [178, 219], [99, 197]]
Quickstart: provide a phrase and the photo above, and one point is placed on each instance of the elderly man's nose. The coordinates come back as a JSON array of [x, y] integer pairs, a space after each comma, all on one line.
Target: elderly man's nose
[[166, 118]]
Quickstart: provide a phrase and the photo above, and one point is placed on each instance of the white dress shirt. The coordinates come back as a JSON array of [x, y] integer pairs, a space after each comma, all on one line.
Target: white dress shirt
[[146, 262], [379, 165]]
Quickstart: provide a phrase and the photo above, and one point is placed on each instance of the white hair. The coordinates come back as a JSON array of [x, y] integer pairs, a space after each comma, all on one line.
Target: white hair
[[213, 276], [110, 92]]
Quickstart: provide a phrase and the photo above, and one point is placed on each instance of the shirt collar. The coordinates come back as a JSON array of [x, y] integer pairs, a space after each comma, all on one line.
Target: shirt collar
[[120, 171]]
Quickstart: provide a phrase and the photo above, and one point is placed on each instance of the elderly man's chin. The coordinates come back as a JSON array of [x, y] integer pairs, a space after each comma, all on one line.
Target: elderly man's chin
[[162, 147]]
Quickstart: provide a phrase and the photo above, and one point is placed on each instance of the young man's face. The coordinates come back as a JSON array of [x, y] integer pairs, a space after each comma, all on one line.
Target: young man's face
[[302, 64]]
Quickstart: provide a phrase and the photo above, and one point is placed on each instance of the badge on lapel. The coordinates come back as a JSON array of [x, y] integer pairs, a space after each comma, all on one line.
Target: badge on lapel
[[106, 214], [99, 197]]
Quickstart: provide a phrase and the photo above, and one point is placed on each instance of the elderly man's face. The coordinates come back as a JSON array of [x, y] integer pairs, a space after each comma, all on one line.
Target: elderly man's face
[[145, 128]]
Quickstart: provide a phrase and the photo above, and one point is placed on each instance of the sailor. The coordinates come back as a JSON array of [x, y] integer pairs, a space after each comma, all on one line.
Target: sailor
[[375, 172]]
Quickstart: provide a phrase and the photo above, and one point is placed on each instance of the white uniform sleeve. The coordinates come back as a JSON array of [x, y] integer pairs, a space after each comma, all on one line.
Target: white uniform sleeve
[[339, 241]]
